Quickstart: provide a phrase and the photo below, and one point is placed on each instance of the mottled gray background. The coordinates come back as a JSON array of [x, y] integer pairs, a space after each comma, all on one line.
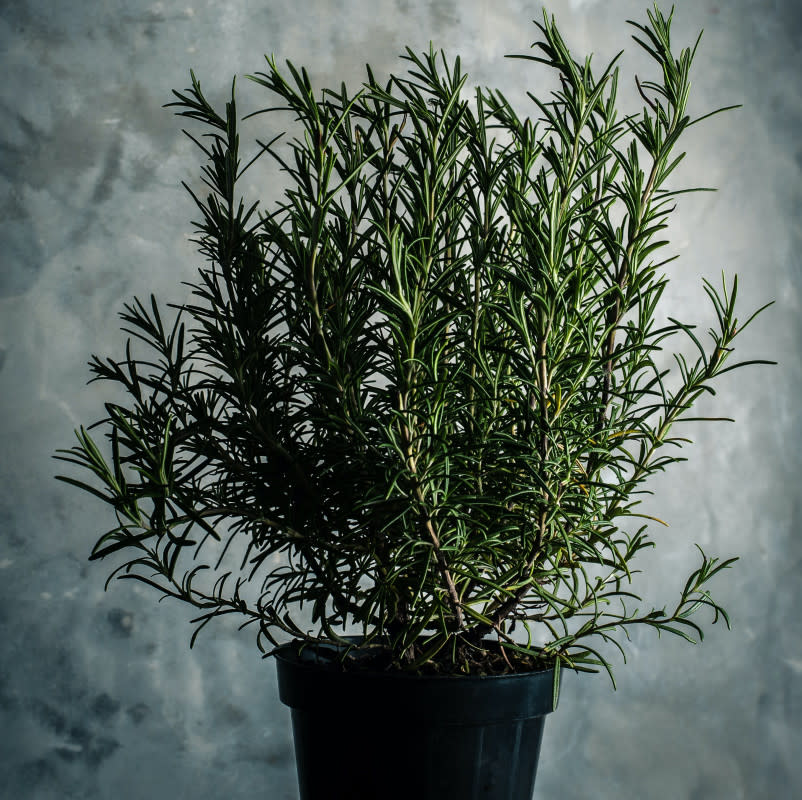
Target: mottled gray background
[[100, 696]]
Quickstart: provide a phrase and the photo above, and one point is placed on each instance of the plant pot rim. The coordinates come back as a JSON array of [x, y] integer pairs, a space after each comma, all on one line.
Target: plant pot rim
[[306, 684], [303, 655]]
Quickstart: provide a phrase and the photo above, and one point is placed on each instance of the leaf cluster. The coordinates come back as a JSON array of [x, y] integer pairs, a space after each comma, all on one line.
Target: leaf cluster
[[425, 389]]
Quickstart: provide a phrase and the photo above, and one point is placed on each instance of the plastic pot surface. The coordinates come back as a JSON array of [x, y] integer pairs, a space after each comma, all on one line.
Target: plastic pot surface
[[369, 735]]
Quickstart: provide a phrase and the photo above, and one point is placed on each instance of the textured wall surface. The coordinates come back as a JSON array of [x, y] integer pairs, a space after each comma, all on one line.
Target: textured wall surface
[[100, 696]]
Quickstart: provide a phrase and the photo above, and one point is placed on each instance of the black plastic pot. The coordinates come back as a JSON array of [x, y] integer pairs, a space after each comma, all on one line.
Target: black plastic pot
[[391, 736]]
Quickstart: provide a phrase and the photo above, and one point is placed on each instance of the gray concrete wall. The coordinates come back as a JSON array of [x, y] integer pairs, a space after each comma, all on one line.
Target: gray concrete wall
[[100, 696]]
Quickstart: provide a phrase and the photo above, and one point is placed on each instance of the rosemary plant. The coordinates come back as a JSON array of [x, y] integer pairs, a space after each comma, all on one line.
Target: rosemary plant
[[423, 390]]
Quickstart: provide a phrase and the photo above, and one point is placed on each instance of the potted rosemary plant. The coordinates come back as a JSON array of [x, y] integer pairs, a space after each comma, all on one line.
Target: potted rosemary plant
[[404, 423]]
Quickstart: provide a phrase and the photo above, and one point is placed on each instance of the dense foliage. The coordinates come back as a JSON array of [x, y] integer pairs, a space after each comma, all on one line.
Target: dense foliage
[[424, 389]]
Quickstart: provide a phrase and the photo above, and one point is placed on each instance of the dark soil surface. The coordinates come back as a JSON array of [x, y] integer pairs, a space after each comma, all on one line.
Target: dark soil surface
[[492, 659]]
